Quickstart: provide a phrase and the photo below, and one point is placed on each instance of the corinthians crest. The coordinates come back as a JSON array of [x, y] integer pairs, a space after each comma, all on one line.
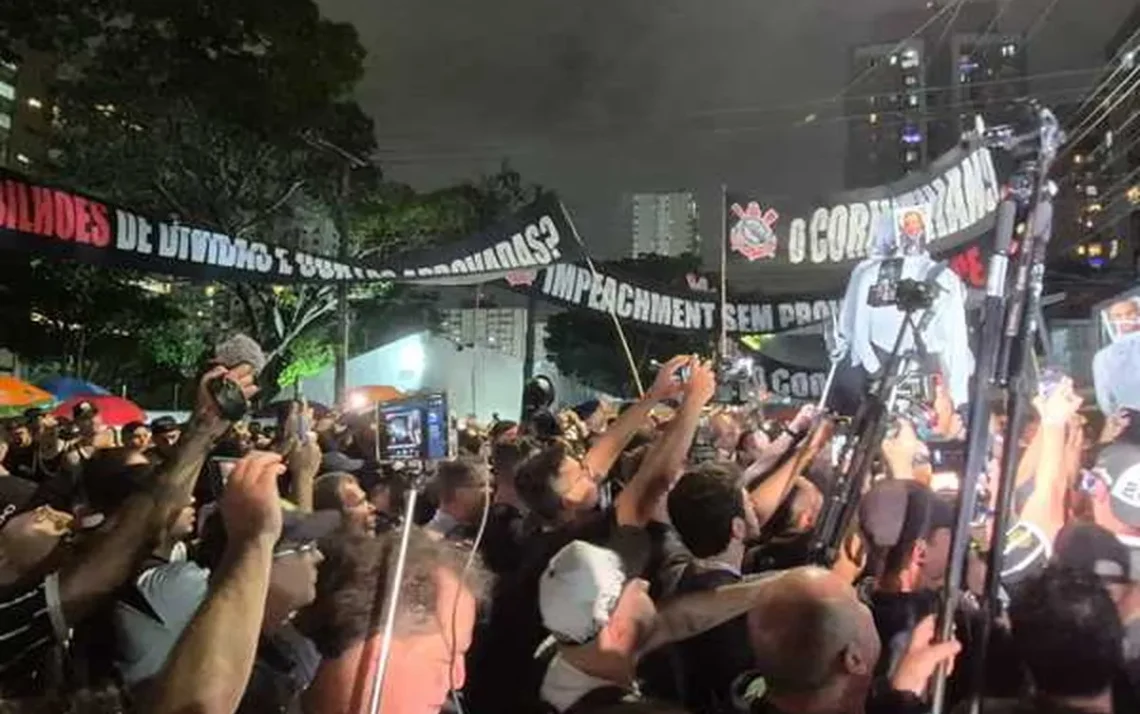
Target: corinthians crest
[[753, 234]]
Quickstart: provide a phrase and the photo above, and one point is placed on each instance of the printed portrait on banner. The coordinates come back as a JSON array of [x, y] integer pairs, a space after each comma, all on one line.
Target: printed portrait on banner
[[1121, 318], [912, 224]]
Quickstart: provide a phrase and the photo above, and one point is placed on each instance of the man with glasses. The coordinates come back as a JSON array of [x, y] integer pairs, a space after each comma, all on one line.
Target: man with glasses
[[1115, 365]]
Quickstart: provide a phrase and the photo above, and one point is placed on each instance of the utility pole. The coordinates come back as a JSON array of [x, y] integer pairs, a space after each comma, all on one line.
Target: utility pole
[[340, 222]]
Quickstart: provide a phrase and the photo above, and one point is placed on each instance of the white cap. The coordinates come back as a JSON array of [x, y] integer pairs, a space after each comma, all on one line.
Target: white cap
[[579, 591]]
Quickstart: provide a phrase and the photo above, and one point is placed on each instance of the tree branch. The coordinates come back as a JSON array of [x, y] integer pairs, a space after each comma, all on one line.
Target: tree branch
[[273, 207]]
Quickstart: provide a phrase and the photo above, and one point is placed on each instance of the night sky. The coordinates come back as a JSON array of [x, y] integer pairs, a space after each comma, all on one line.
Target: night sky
[[601, 98]]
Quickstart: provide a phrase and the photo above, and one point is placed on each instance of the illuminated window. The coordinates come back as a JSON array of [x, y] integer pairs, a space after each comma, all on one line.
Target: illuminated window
[[873, 118], [894, 60], [912, 99], [23, 159], [910, 80], [911, 157], [7, 91], [5, 121], [1078, 159], [35, 103]]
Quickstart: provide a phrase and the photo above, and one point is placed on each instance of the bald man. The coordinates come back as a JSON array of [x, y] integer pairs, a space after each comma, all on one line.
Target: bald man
[[816, 646]]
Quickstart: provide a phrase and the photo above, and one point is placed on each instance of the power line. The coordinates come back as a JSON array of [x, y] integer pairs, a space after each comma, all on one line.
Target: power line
[[491, 147], [1076, 137], [496, 151]]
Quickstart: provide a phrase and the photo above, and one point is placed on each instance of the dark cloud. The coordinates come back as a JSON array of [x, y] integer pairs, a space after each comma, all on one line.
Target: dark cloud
[[601, 99]]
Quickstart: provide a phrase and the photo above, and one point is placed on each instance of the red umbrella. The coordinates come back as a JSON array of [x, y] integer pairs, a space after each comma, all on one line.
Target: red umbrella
[[115, 411]]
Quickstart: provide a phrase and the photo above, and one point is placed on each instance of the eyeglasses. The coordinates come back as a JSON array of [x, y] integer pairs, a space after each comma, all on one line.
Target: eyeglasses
[[303, 549]]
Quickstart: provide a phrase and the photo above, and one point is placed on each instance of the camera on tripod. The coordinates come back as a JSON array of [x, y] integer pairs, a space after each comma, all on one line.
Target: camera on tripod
[[914, 295]]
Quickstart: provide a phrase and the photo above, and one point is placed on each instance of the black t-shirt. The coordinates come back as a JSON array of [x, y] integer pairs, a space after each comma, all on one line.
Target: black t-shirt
[[21, 461], [896, 614], [503, 675], [504, 539], [712, 661], [1026, 553]]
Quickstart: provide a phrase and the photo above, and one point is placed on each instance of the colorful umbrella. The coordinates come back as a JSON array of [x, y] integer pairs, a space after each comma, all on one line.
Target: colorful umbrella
[[17, 395], [65, 388], [115, 411], [359, 397]]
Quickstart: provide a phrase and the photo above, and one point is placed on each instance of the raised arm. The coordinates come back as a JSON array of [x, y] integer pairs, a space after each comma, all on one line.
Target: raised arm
[[1046, 505], [209, 668], [767, 495], [106, 561], [666, 459], [609, 446]]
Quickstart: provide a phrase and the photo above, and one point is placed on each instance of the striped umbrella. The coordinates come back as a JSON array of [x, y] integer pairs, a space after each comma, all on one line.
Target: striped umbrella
[[17, 395]]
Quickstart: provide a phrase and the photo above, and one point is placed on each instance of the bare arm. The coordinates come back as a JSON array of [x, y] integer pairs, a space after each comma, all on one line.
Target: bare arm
[[689, 615], [108, 558], [767, 496], [1046, 505], [666, 459], [209, 668]]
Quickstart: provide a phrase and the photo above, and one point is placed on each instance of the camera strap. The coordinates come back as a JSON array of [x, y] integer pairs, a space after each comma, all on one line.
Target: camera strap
[[931, 278]]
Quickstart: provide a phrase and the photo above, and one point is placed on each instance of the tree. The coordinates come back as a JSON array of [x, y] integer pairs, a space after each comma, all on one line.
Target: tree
[[76, 319], [308, 356], [584, 345]]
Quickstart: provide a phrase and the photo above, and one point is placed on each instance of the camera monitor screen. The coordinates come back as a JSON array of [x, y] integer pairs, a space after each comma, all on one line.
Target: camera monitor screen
[[417, 427]]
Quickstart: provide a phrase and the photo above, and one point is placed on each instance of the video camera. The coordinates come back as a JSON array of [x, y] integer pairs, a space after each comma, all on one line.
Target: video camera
[[537, 417]]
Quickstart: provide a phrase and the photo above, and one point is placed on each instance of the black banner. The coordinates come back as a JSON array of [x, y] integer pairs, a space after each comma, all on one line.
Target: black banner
[[787, 380], [960, 192], [634, 301], [53, 221]]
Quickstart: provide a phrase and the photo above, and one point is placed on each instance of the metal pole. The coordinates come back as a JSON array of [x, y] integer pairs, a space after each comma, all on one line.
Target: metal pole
[[392, 602], [531, 336], [340, 368], [723, 233]]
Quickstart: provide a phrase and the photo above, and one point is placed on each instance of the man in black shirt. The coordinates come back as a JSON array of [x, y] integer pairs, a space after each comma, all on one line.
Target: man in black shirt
[[20, 460], [707, 509]]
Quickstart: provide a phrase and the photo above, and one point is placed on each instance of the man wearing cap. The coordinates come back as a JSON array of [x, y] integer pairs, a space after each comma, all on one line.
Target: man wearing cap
[[165, 432], [135, 435], [602, 621], [907, 529]]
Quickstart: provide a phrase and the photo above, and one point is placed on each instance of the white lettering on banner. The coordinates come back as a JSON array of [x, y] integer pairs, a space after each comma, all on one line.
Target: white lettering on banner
[[962, 196], [576, 285], [535, 246], [793, 384]]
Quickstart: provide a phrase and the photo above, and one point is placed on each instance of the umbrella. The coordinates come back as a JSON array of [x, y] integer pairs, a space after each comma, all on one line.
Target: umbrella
[[115, 411], [17, 395], [65, 388], [373, 394]]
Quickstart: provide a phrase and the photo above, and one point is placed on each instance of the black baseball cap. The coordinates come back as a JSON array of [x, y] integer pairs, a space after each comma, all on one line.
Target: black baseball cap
[[1119, 466], [18, 495], [84, 410], [1094, 549], [296, 529], [897, 513], [164, 425]]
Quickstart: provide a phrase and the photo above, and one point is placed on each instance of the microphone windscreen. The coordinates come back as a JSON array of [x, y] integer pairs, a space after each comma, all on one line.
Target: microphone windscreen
[[240, 349]]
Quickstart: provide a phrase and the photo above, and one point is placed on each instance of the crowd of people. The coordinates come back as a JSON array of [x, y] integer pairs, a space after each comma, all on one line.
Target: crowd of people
[[655, 558]]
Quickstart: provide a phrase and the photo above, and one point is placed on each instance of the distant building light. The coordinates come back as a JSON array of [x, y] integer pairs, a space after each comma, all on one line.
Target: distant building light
[[1095, 249], [894, 60], [1094, 208], [873, 118], [1133, 195], [912, 99], [1081, 250], [1128, 61], [911, 135], [1113, 249], [1109, 137], [23, 159], [7, 91], [35, 103], [1088, 224], [911, 157], [1078, 159]]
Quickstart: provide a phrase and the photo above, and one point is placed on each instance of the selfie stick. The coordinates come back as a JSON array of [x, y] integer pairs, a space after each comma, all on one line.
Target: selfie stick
[[835, 360], [392, 601]]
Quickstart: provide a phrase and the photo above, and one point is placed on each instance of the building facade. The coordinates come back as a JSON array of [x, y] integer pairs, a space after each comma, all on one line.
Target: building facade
[[25, 112], [910, 100], [665, 224], [502, 329]]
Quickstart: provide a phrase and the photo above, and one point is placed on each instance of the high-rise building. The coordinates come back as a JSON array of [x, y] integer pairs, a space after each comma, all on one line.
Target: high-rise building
[[1103, 163], [665, 224], [889, 139], [25, 114], [911, 100]]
